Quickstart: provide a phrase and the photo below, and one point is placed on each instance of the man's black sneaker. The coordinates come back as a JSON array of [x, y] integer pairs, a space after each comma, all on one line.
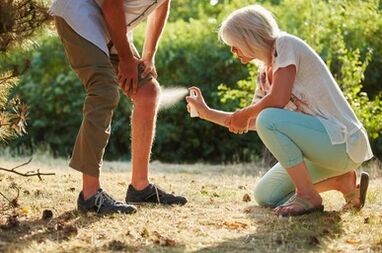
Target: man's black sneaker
[[153, 194], [102, 203]]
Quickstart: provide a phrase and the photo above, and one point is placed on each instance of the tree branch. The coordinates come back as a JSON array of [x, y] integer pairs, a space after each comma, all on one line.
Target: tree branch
[[28, 173]]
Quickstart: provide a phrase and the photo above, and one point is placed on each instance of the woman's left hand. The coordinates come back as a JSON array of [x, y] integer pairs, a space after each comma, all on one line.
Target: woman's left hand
[[238, 122], [149, 68]]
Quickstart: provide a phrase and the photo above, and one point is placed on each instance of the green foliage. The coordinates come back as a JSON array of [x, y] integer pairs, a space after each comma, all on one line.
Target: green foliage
[[240, 96], [54, 96], [185, 58], [348, 39]]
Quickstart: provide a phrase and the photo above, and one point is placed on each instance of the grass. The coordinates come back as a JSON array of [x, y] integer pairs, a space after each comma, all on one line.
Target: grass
[[216, 219]]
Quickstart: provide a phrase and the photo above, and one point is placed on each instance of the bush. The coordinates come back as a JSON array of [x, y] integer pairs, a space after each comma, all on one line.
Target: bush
[[55, 97], [190, 54]]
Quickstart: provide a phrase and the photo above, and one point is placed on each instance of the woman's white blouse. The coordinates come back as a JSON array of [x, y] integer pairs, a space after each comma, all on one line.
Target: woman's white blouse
[[85, 17], [315, 92]]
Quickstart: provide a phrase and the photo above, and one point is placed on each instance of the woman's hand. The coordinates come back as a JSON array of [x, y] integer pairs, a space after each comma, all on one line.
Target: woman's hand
[[239, 121], [198, 102]]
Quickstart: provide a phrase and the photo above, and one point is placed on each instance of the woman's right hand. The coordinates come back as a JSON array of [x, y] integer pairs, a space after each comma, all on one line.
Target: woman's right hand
[[198, 102]]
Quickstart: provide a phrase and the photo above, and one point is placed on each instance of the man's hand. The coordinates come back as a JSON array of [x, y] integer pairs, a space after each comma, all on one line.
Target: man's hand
[[238, 122], [149, 68], [128, 75], [114, 15]]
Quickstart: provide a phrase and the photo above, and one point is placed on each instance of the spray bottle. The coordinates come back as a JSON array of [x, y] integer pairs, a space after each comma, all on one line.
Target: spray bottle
[[193, 111]]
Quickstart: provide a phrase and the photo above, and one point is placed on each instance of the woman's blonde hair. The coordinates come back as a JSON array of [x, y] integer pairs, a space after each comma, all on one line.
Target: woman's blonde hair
[[250, 29]]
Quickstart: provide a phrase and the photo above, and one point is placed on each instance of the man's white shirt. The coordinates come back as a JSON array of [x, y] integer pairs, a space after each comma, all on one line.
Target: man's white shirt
[[86, 19]]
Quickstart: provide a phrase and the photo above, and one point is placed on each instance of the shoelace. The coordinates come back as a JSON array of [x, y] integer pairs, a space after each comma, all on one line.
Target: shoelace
[[101, 197], [157, 193]]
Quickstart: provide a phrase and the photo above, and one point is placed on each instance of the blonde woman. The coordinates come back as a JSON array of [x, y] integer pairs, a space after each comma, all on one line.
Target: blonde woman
[[300, 114]]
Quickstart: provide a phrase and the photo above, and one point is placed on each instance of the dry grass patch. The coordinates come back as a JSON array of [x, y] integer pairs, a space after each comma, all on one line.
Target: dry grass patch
[[221, 215]]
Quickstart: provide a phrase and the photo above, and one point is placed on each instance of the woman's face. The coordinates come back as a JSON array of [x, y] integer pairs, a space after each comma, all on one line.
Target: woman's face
[[243, 58], [259, 55]]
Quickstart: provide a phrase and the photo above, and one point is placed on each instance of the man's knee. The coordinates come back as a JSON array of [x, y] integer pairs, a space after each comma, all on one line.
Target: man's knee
[[112, 97], [102, 96], [148, 95], [102, 86]]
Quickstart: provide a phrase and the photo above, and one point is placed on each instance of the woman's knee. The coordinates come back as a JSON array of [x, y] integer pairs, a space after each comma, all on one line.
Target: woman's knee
[[266, 118], [262, 194], [272, 189]]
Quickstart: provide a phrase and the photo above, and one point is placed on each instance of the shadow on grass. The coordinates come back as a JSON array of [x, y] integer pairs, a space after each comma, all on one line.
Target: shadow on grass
[[19, 236], [275, 234]]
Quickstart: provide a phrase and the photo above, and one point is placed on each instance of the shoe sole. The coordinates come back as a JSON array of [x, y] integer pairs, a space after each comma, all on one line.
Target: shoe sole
[[142, 203], [309, 211], [153, 203], [363, 186], [85, 212]]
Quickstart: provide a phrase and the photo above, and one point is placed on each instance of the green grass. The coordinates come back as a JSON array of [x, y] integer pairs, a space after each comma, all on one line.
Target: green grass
[[216, 219]]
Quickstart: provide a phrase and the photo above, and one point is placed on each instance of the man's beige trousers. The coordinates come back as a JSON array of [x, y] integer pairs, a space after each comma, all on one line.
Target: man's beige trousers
[[98, 76]]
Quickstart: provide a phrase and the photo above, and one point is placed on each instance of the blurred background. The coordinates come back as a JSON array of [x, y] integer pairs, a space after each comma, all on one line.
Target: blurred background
[[41, 97]]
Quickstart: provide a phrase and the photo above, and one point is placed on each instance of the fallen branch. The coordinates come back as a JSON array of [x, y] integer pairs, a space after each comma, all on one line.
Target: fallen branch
[[28, 173]]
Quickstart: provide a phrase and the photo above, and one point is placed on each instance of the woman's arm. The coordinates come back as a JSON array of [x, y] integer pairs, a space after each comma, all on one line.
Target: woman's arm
[[278, 97], [205, 112], [216, 116]]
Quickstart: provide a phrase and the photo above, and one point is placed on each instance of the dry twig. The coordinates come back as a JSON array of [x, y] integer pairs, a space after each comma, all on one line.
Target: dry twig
[[28, 173], [14, 202]]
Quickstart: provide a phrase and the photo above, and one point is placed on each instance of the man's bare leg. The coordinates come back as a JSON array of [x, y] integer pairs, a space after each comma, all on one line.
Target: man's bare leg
[[143, 122], [90, 185]]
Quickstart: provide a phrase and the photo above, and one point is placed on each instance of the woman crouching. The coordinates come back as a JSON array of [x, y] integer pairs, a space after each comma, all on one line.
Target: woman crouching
[[300, 114]]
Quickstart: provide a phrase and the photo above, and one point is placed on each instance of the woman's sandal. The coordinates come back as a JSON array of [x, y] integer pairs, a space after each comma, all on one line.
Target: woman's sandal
[[305, 207], [356, 198]]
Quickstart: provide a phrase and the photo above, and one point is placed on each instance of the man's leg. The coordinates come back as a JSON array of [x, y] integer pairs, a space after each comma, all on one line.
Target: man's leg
[[143, 121], [102, 95]]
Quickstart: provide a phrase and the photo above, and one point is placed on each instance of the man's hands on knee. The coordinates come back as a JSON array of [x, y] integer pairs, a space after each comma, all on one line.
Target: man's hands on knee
[[128, 75], [144, 74]]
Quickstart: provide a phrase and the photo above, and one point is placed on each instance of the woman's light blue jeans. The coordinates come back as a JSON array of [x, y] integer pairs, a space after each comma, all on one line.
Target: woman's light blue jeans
[[294, 137]]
